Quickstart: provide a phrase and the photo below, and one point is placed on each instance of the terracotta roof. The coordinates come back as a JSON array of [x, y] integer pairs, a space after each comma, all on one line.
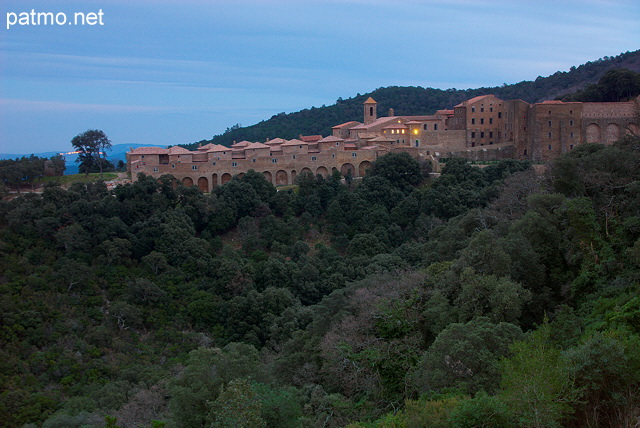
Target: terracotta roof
[[370, 148], [276, 141], [445, 112], [343, 125], [241, 144], [149, 151], [376, 122], [295, 142], [350, 145], [257, 146], [413, 122], [330, 139], [473, 100], [310, 138], [370, 101], [219, 148], [552, 102], [177, 150]]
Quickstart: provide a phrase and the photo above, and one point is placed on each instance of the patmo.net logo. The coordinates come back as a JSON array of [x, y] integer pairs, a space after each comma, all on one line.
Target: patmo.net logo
[[37, 19]]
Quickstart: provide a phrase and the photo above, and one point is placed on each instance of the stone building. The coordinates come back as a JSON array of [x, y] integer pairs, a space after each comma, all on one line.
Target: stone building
[[482, 128]]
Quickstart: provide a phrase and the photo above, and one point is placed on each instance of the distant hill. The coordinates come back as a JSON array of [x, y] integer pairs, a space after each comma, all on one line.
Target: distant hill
[[419, 101], [117, 152]]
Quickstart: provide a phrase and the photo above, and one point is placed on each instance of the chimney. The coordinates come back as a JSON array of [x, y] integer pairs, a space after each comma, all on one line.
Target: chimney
[[391, 112]]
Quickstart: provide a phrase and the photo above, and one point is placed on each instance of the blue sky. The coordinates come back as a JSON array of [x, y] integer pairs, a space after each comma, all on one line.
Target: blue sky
[[175, 72]]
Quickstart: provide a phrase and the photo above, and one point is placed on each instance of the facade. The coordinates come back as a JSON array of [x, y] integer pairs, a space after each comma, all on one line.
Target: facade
[[482, 128]]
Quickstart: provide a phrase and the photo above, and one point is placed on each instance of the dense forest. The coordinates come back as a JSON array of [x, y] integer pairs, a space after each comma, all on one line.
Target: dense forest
[[496, 297], [421, 101]]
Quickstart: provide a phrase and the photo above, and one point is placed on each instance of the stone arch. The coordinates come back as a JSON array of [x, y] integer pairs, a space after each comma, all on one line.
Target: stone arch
[[633, 129], [362, 169], [323, 171], [239, 175], [226, 177], [306, 171], [203, 184], [214, 180], [187, 181], [282, 179], [613, 133], [593, 133], [348, 168], [268, 176]]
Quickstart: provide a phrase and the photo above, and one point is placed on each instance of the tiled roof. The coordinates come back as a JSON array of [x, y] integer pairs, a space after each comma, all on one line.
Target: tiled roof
[[370, 101], [343, 125], [256, 146], [177, 150], [275, 141], [149, 151], [219, 148], [330, 139], [376, 122], [473, 100], [241, 144], [310, 138], [396, 126], [295, 142]]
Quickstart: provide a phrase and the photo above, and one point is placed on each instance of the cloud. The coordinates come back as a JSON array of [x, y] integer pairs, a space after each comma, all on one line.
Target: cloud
[[22, 105]]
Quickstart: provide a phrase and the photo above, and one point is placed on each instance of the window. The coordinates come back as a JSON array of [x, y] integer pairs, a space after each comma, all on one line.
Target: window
[[482, 135], [155, 169], [313, 158], [473, 134], [473, 109], [549, 112], [481, 121], [490, 134], [142, 157], [525, 152], [354, 154], [491, 109], [333, 155], [253, 160], [293, 156], [213, 163], [338, 144], [435, 126], [194, 166], [549, 146], [490, 120], [571, 147], [481, 109], [570, 111], [473, 121], [173, 165], [425, 126], [571, 122], [370, 111], [499, 115], [417, 143], [549, 124], [571, 135], [234, 164], [473, 144], [549, 134], [403, 131], [274, 160]]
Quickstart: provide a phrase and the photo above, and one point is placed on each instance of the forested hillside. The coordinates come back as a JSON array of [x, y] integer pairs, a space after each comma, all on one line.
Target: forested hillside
[[496, 297], [419, 101]]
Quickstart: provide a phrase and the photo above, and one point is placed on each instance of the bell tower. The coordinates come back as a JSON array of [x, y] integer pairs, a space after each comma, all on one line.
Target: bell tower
[[370, 111]]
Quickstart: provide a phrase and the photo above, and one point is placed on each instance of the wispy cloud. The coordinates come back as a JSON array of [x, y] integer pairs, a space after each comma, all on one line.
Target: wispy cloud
[[22, 105]]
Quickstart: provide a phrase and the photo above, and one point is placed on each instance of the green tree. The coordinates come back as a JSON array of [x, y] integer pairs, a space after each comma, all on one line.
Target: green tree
[[537, 383], [91, 145]]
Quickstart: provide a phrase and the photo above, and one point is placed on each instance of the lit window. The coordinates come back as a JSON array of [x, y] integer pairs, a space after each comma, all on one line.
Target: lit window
[[415, 132], [403, 131]]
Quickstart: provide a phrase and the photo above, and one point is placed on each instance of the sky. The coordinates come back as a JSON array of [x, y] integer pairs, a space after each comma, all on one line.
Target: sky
[[179, 71]]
